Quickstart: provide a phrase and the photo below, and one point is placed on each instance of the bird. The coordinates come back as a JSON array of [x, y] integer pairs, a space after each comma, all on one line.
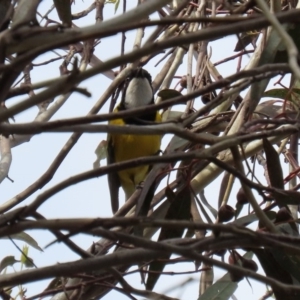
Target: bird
[[137, 92]]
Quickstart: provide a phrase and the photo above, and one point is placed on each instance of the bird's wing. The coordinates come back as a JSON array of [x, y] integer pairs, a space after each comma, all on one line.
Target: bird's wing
[[113, 178]]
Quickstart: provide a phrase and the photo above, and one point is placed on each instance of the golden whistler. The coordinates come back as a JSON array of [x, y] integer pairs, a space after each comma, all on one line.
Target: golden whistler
[[137, 92]]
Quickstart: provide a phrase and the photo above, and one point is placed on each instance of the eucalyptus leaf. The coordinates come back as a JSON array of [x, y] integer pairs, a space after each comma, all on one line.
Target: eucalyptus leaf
[[246, 220], [63, 8], [7, 261], [179, 210], [171, 115], [168, 94], [223, 288], [288, 262], [284, 94], [22, 236]]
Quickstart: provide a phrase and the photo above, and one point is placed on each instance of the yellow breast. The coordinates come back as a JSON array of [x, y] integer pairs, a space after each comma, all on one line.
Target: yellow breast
[[129, 146]]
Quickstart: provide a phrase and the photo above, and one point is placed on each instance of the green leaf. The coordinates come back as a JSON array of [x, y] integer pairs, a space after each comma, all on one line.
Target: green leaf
[[117, 5], [274, 270], [115, 2], [4, 17], [276, 176], [159, 213], [24, 254], [246, 220], [273, 165], [176, 143], [7, 261], [54, 284], [288, 228], [22, 236], [171, 115], [268, 108], [223, 288], [294, 32], [25, 259], [287, 197], [179, 210], [289, 263], [213, 211], [168, 94], [284, 94], [245, 38], [63, 8]]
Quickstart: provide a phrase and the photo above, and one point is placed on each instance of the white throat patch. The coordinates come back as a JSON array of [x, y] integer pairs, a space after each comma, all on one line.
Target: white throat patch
[[138, 93]]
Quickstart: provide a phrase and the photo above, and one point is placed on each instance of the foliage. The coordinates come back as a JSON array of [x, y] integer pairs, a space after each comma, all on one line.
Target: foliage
[[221, 128]]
